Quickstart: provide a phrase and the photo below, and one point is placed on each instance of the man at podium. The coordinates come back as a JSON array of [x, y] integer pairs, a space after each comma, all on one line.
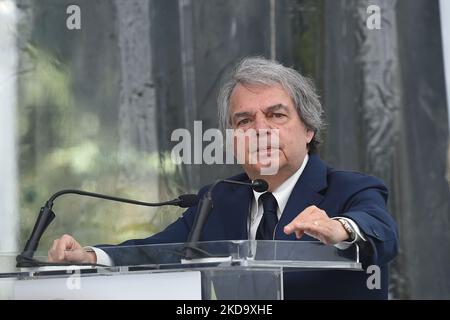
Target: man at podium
[[306, 199]]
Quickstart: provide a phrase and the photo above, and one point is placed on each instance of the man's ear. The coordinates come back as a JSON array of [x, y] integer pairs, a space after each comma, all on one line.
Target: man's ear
[[309, 135]]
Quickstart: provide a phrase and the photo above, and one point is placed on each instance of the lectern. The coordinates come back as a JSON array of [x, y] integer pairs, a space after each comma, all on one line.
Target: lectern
[[241, 269]]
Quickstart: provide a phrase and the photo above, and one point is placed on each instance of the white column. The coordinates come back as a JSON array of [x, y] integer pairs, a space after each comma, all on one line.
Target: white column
[[445, 32], [8, 144]]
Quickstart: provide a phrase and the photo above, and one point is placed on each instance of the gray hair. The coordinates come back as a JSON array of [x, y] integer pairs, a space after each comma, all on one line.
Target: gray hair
[[260, 71]]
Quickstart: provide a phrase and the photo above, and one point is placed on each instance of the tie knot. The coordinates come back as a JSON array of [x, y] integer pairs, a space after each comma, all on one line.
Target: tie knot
[[269, 202]]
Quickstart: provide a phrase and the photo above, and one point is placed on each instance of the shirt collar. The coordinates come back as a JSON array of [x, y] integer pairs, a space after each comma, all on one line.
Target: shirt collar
[[283, 192]]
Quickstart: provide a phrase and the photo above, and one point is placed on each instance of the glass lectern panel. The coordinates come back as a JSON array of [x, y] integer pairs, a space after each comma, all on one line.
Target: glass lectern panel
[[241, 269]]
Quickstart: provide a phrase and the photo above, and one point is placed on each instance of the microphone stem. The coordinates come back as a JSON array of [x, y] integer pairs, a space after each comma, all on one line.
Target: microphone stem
[[226, 181], [46, 216], [101, 196], [238, 182]]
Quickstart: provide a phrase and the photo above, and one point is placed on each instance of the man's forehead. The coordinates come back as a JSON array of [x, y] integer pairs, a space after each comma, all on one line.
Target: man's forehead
[[254, 97], [256, 88]]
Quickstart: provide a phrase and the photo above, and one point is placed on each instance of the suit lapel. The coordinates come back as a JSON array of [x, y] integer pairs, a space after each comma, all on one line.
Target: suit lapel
[[306, 193]]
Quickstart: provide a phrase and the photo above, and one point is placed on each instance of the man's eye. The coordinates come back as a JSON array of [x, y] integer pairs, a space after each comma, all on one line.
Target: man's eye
[[243, 122], [278, 115]]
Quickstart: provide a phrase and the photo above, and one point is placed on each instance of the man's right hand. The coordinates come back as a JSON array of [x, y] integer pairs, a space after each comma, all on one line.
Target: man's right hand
[[67, 249]]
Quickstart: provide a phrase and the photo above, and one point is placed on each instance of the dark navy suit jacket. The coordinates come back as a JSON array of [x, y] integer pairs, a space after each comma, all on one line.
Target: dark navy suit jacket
[[354, 195]]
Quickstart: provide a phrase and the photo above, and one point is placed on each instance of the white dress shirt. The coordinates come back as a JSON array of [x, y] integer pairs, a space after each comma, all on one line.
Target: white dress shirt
[[281, 194]]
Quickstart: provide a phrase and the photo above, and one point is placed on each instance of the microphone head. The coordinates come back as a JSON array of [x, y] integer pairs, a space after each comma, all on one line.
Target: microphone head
[[187, 200], [260, 185]]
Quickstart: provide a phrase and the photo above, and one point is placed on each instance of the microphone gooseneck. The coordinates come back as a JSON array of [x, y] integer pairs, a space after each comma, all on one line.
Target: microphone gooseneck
[[176, 202], [46, 216], [259, 185]]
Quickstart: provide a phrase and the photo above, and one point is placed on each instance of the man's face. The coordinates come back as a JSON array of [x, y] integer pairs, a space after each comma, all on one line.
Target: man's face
[[264, 108]]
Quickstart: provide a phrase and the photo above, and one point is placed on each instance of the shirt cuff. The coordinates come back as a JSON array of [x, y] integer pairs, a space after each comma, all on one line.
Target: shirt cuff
[[359, 236], [102, 257]]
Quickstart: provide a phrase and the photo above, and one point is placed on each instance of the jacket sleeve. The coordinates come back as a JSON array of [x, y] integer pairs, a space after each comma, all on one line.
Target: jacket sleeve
[[367, 208]]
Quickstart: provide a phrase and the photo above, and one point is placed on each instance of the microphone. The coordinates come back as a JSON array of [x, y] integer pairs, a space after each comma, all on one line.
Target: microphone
[[46, 216], [259, 185], [204, 208]]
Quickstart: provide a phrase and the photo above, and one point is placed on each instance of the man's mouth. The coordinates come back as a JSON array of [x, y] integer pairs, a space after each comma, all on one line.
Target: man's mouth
[[265, 149], [264, 152]]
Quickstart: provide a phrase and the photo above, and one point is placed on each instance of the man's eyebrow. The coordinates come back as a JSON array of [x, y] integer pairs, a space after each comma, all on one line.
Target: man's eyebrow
[[276, 108], [273, 108], [242, 114]]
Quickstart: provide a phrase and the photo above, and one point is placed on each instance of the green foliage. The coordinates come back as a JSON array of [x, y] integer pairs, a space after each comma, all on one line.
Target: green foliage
[[65, 144]]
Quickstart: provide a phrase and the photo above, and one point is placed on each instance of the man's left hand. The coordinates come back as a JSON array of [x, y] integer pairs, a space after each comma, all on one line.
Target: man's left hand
[[315, 222]]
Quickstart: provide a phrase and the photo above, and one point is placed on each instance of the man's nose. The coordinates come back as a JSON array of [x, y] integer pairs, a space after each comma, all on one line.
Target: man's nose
[[261, 124]]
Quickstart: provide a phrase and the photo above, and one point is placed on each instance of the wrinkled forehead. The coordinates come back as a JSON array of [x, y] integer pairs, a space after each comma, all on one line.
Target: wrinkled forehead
[[245, 97], [258, 86]]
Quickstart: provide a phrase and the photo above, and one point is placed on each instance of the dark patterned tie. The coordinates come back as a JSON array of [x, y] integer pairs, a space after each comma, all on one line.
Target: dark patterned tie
[[269, 219]]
